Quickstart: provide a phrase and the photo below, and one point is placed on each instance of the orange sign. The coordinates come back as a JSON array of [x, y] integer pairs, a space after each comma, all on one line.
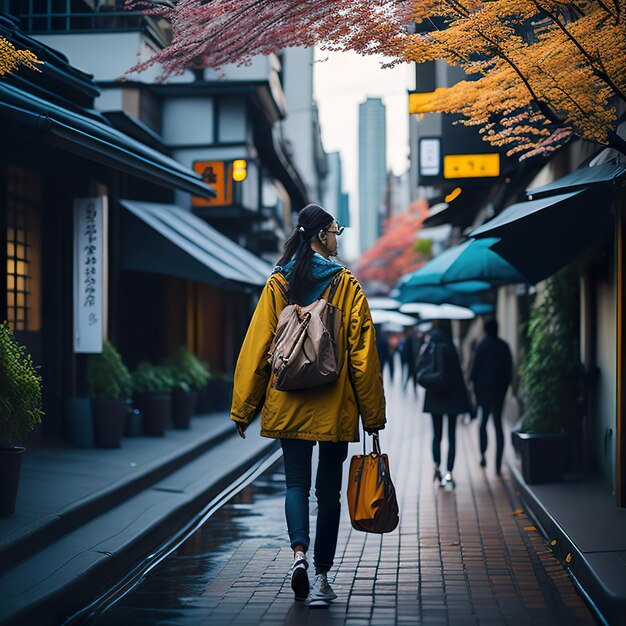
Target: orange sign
[[217, 174]]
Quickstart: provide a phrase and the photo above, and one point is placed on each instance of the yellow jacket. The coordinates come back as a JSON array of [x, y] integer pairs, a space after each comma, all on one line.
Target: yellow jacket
[[328, 413]]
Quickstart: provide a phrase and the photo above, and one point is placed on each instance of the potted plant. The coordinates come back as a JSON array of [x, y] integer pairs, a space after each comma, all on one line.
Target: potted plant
[[110, 387], [189, 374], [152, 389], [20, 412], [553, 381]]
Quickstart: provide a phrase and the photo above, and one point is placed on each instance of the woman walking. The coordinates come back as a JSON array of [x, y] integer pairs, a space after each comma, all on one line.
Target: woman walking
[[448, 398], [328, 414]]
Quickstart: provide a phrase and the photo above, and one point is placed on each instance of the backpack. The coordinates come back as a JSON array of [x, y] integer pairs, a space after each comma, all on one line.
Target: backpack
[[431, 366], [305, 351]]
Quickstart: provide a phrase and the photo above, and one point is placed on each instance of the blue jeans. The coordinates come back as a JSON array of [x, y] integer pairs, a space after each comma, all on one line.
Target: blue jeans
[[297, 457]]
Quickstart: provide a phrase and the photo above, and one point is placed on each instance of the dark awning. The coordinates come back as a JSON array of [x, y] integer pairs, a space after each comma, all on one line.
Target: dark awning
[[539, 237], [606, 173], [166, 239], [97, 141]]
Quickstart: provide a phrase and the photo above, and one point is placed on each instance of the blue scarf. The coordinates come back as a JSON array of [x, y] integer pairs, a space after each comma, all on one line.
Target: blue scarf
[[322, 270]]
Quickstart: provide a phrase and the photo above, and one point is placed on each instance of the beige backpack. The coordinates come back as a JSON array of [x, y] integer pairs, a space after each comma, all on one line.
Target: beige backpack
[[306, 349]]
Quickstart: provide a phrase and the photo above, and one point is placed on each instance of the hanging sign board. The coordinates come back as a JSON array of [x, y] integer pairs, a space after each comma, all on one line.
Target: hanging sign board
[[219, 175], [90, 275]]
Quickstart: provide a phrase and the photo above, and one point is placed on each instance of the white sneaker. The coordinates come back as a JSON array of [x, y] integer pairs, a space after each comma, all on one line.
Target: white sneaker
[[299, 577], [448, 482], [321, 594]]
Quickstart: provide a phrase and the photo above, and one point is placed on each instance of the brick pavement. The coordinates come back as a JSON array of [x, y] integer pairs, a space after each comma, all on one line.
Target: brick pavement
[[471, 556]]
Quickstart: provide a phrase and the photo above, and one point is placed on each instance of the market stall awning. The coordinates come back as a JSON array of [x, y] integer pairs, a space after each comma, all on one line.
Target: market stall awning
[[539, 237], [166, 239], [96, 140], [606, 173]]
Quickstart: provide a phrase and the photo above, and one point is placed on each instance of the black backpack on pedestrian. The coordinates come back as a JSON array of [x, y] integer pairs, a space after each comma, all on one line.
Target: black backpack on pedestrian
[[431, 366]]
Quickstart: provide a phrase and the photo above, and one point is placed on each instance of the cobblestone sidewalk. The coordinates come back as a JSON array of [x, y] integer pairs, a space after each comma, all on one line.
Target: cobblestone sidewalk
[[471, 556]]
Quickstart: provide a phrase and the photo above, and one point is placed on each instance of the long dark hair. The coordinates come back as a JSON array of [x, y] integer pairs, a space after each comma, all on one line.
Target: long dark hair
[[311, 220]]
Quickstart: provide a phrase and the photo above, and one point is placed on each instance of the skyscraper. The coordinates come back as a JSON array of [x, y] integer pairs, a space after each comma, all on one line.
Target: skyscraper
[[372, 170]]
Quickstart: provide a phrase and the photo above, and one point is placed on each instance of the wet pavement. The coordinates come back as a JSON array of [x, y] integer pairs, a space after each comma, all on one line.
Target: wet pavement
[[471, 556]]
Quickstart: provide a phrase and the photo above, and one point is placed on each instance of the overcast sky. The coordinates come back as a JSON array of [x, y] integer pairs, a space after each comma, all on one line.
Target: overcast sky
[[342, 80]]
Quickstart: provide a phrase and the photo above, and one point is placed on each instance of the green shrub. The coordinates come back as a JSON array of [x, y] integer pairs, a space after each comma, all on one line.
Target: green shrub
[[107, 376], [20, 390], [188, 371], [552, 375], [424, 247], [149, 378]]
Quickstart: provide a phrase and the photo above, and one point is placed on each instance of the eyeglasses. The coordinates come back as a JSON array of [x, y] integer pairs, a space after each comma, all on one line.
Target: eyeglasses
[[337, 232]]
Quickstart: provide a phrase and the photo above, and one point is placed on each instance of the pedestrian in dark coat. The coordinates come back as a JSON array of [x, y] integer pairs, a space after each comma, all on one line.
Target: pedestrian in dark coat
[[449, 399], [382, 346], [491, 376]]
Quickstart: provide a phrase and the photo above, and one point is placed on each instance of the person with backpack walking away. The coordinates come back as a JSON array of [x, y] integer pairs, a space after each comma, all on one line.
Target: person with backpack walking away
[[335, 323], [490, 377], [439, 372]]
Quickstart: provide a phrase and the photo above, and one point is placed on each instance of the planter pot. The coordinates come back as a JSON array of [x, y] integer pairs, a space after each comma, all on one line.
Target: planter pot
[[206, 398], [223, 392], [183, 407], [109, 419], [10, 463], [545, 457], [134, 423], [156, 408], [226, 394], [213, 395], [80, 422]]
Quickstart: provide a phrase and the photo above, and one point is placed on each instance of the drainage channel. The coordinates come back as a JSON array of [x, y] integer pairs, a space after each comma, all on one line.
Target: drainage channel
[[166, 582]]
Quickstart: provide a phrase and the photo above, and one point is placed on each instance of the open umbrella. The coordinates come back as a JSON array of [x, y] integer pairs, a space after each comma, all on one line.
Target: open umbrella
[[383, 303], [443, 294], [470, 261], [428, 311], [381, 316]]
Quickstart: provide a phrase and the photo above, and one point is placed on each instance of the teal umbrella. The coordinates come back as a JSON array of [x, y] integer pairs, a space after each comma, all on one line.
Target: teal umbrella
[[442, 294], [469, 263]]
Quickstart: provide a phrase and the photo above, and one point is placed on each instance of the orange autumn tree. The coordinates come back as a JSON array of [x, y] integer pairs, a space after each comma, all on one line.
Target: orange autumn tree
[[540, 72], [11, 58], [394, 253]]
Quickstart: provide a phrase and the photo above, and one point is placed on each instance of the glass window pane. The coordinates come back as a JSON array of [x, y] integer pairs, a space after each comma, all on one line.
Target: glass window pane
[[10, 282], [10, 299], [10, 249], [21, 284], [10, 267]]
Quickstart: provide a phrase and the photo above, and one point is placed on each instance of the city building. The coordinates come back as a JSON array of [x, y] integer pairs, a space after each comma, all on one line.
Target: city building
[[336, 200], [372, 170]]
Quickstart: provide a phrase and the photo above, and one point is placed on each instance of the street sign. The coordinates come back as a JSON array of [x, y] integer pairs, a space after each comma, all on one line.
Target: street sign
[[218, 174], [430, 157], [90, 273], [471, 165], [421, 102]]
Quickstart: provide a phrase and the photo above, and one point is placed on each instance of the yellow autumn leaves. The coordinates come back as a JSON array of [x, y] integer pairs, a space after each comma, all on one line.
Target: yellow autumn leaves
[[11, 58], [539, 70]]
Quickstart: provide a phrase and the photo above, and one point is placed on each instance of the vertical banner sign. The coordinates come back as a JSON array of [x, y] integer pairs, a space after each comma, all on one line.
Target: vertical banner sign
[[90, 241]]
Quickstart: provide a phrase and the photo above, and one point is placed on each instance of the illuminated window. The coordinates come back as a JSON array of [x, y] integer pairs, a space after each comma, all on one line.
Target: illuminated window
[[23, 249]]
